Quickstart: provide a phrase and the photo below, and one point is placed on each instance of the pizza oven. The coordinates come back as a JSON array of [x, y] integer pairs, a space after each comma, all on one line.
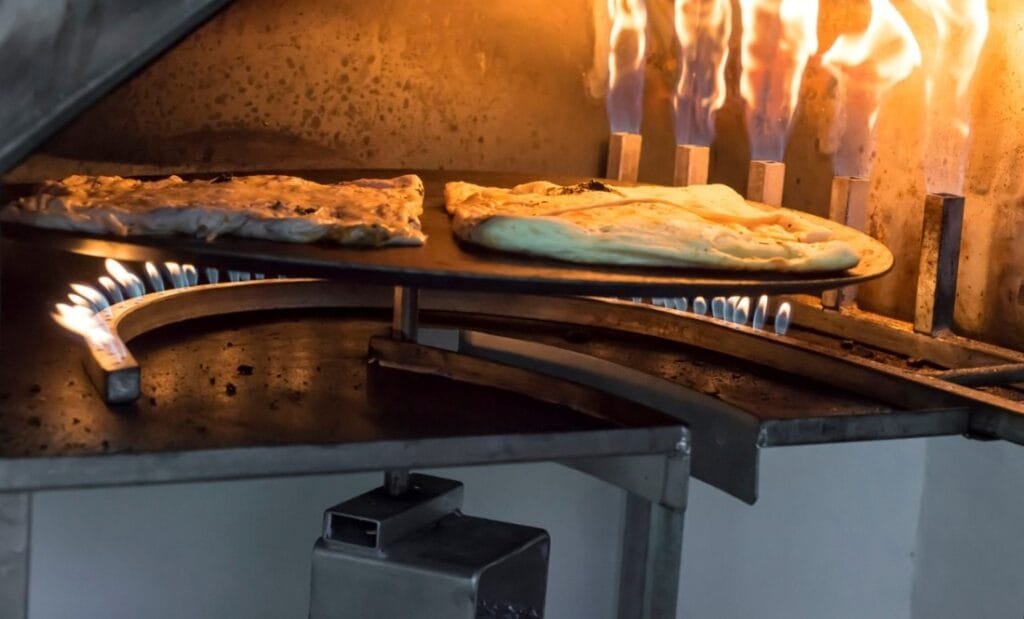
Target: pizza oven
[[193, 360]]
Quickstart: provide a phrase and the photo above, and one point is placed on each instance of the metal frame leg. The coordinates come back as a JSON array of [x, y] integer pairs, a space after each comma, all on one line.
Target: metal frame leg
[[15, 526], [652, 547]]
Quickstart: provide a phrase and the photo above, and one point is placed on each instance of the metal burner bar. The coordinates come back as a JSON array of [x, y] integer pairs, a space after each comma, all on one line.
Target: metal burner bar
[[897, 387], [946, 350], [941, 401], [728, 438], [117, 378], [988, 376]]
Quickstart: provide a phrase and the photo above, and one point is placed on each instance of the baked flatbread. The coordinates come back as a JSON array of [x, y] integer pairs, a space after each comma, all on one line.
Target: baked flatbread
[[367, 212], [708, 226]]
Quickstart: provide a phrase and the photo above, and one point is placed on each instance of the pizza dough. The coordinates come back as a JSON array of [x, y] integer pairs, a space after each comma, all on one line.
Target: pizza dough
[[707, 226], [367, 212]]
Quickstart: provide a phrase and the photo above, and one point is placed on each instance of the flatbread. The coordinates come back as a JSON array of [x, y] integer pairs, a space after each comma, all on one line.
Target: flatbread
[[366, 212], [707, 226]]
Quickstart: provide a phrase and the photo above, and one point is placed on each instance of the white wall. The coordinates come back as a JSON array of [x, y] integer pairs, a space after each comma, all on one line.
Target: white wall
[[971, 558], [831, 537]]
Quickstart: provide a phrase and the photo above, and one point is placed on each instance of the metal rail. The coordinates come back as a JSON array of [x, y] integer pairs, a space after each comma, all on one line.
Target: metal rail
[[726, 439]]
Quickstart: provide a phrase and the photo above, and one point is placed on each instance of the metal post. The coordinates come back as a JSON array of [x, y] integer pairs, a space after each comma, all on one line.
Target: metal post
[[940, 260], [396, 481], [652, 547], [692, 163], [848, 206], [15, 525], [766, 181], [404, 325], [624, 156], [405, 316]]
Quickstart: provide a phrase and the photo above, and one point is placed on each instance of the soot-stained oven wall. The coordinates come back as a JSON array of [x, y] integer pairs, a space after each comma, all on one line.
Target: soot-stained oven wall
[[516, 86]]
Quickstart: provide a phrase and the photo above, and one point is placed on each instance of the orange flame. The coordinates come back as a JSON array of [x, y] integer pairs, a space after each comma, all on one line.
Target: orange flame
[[702, 28], [779, 36], [627, 48], [83, 321], [867, 66], [961, 27]]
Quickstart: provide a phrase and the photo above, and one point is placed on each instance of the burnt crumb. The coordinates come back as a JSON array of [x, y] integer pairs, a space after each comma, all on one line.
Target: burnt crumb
[[87, 429], [916, 362], [274, 405], [228, 345], [213, 381], [71, 383], [847, 344], [710, 390], [230, 389], [577, 336], [35, 422], [35, 388], [591, 185], [245, 370], [44, 447], [105, 445], [308, 210], [201, 430], [152, 401], [317, 368], [75, 421], [221, 178]]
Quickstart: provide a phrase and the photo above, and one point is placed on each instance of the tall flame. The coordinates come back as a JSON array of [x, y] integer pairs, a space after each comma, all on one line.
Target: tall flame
[[961, 27], [627, 48], [867, 66], [703, 28], [779, 36]]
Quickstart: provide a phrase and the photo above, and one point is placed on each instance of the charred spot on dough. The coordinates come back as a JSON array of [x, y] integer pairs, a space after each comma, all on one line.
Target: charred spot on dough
[[221, 178], [591, 185], [305, 210]]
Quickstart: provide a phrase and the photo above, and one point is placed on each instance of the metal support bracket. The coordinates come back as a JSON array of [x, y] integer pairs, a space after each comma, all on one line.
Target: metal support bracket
[[726, 455], [652, 547], [15, 526]]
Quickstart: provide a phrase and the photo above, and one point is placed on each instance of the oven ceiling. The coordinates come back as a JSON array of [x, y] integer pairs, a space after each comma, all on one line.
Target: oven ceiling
[[60, 56]]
